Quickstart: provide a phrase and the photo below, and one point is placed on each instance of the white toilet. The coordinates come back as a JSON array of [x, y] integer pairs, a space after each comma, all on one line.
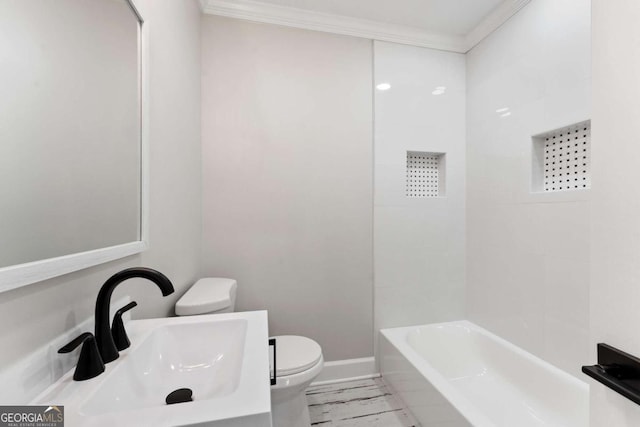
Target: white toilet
[[298, 359]]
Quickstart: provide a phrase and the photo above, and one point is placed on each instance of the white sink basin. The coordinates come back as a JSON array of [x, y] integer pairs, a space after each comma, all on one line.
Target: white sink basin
[[222, 358]]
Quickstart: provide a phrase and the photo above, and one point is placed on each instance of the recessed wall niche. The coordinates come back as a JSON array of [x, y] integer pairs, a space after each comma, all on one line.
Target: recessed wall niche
[[561, 159], [425, 174]]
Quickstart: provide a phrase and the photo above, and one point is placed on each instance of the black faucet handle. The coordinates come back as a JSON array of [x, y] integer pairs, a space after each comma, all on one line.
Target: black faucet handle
[[90, 363], [117, 328]]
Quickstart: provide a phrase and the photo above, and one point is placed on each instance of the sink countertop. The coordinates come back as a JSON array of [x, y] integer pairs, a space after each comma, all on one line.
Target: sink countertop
[[132, 389]]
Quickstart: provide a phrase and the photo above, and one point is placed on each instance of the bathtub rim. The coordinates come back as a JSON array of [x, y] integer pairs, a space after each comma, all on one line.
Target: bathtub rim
[[397, 337]]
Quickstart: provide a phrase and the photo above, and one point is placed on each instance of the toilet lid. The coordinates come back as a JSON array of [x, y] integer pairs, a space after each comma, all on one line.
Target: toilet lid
[[206, 295], [295, 354]]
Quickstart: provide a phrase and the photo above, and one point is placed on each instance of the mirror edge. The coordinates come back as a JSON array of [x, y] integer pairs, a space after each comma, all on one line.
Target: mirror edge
[[16, 276]]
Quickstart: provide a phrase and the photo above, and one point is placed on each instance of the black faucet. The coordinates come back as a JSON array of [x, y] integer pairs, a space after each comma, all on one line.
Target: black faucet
[[104, 339], [90, 363]]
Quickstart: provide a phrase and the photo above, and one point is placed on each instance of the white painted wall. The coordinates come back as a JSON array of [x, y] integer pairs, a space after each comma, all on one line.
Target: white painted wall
[[175, 194], [287, 171], [528, 254], [31, 316], [419, 242], [615, 250]]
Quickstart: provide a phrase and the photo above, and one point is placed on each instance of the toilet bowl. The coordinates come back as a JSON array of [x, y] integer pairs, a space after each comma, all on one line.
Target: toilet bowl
[[298, 359], [298, 362]]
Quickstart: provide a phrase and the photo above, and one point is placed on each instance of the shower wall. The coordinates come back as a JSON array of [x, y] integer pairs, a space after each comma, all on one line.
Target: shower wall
[[528, 251], [419, 188], [615, 269]]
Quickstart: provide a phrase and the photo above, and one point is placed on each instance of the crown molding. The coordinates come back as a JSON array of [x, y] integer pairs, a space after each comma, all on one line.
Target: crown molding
[[493, 21], [330, 23], [338, 24]]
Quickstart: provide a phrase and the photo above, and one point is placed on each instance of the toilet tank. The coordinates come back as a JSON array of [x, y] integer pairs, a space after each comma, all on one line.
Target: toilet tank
[[208, 295]]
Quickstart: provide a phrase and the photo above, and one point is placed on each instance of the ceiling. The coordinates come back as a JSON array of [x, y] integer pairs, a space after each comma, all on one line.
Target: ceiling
[[447, 17], [455, 25]]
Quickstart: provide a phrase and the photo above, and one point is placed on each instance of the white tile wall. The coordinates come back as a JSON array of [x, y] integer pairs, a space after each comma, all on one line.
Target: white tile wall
[[419, 243], [528, 253], [615, 269]]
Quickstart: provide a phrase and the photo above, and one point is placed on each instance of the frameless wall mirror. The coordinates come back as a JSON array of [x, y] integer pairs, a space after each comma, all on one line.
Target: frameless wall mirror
[[71, 136]]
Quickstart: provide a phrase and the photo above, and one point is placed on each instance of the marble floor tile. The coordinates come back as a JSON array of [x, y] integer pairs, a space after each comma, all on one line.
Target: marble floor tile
[[356, 404]]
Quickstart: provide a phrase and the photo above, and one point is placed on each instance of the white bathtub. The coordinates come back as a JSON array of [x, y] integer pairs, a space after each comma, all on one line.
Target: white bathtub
[[458, 374]]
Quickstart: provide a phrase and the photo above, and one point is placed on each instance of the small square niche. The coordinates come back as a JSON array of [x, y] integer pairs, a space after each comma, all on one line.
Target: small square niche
[[425, 174], [561, 159]]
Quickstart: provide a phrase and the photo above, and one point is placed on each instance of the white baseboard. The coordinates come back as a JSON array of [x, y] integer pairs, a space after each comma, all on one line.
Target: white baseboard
[[347, 370]]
